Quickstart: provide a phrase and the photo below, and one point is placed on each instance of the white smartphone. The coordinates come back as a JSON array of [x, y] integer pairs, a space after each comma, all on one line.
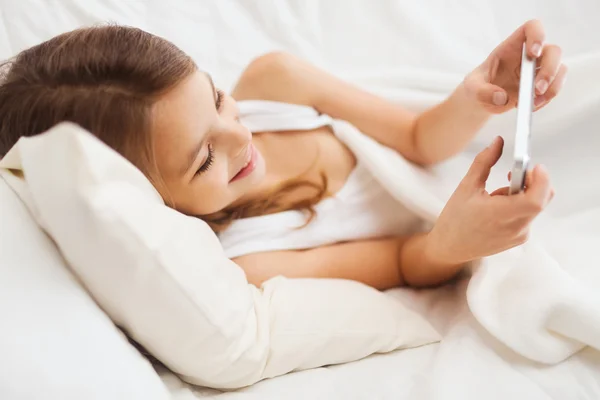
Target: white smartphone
[[523, 133]]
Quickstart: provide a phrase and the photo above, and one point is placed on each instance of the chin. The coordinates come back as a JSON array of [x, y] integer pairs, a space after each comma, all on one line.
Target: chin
[[259, 173], [249, 186]]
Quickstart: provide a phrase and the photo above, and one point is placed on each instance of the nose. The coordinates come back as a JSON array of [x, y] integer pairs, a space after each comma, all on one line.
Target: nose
[[236, 138]]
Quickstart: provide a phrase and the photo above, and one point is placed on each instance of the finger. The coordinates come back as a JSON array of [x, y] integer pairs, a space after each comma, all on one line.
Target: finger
[[532, 33], [553, 90], [503, 191], [492, 95], [534, 37], [483, 163], [528, 178], [549, 64], [537, 191]]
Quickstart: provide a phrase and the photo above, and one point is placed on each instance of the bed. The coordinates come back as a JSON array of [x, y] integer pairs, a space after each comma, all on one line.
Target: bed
[[397, 49]]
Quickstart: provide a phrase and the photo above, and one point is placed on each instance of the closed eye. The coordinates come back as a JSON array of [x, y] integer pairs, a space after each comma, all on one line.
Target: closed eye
[[209, 161], [219, 100]]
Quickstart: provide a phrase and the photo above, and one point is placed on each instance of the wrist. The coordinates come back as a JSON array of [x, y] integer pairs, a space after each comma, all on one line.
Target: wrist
[[423, 265], [436, 252]]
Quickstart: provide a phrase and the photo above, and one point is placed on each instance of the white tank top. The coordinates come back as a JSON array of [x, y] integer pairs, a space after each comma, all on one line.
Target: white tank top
[[361, 209]]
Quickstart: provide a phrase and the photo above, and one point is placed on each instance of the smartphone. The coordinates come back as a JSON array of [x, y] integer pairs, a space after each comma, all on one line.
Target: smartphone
[[524, 115]]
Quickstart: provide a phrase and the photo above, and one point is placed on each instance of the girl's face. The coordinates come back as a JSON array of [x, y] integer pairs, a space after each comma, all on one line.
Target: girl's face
[[205, 157]]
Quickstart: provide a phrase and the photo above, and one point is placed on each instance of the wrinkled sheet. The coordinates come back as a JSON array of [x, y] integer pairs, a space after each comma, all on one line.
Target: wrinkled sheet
[[414, 53]]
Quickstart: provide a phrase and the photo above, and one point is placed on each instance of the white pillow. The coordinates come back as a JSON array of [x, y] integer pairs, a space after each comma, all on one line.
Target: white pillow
[[162, 276], [55, 343]]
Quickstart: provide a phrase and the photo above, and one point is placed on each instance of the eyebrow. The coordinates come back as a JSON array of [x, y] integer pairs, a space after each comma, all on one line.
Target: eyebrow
[[212, 84], [194, 153]]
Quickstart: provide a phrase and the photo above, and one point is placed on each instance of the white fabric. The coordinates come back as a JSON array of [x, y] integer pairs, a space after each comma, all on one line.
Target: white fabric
[[542, 298], [55, 343], [274, 116], [414, 52], [163, 276], [361, 209], [467, 364]]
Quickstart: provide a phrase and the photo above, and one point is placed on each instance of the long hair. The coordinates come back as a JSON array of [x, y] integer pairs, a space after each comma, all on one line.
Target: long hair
[[106, 79]]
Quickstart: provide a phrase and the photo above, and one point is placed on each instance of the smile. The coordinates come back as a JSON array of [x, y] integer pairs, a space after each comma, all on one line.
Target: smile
[[249, 166]]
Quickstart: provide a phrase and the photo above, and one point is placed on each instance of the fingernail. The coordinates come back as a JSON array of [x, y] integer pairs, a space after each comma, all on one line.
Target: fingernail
[[542, 86], [494, 141], [539, 100], [536, 49], [499, 98], [542, 168]]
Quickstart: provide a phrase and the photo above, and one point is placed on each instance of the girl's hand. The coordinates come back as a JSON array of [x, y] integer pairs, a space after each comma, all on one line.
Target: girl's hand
[[495, 83], [476, 224]]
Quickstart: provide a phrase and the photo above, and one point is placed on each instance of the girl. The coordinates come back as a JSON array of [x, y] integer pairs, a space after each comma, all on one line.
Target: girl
[[293, 203]]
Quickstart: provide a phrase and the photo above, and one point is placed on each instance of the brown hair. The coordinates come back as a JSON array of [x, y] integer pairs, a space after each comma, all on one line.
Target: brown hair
[[106, 79]]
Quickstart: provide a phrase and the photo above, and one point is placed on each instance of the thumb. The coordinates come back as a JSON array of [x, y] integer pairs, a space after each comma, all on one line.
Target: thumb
[[503, 191], [492, 96], [483, 163]]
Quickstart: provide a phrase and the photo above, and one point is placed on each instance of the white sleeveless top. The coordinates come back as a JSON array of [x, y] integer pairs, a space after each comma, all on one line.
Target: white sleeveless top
[[361, 209]]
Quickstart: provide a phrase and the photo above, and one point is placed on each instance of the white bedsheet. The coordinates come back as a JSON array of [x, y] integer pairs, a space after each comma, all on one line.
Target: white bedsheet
[[405, 50], [467, 364]]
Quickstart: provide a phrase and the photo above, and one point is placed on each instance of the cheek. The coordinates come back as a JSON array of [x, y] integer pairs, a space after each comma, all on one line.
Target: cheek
[[219, 174], [211, 191]]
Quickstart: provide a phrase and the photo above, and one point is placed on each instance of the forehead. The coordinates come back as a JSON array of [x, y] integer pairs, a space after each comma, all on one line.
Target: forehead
[[181, 118]]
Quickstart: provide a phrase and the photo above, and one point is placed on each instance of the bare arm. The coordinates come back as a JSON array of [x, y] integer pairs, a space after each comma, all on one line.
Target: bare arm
[[425, 139], [380, 263], [473, 224]]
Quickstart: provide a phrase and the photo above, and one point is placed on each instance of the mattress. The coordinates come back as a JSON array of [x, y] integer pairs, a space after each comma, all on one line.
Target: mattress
[[385, 47]]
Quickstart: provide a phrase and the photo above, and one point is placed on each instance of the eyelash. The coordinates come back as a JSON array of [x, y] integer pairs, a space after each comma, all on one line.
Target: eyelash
[[209, 161], [219, 101]]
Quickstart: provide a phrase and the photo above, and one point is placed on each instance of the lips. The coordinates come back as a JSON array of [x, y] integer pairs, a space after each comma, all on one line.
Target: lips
[[249, 166]]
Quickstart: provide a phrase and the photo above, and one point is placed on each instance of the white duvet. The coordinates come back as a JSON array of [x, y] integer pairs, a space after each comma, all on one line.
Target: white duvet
[[526, 325], [541, 299]]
